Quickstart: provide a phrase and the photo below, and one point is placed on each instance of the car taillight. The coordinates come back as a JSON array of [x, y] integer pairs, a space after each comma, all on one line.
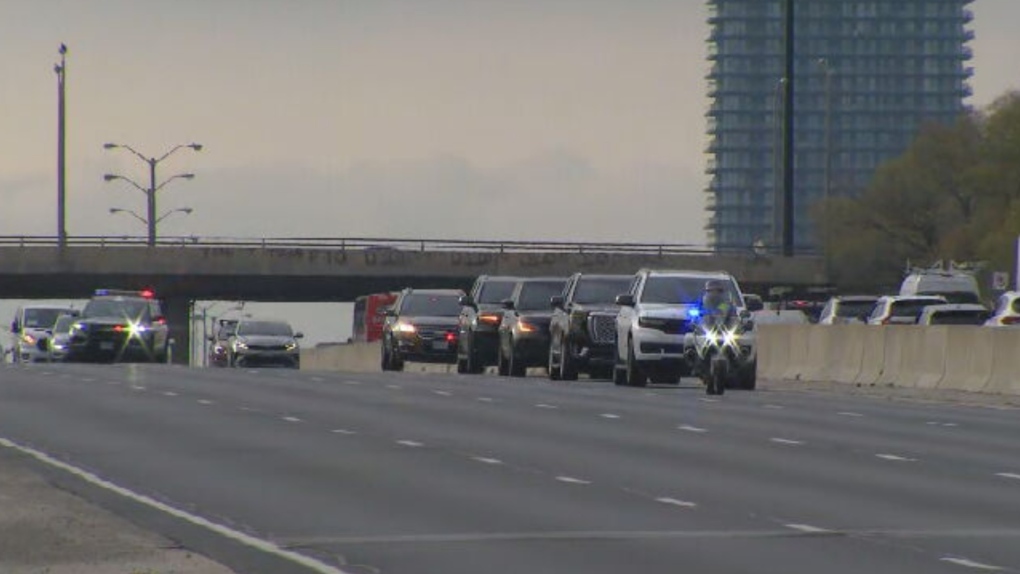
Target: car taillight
[[160, 321], [451, 337], [490, 318], [118, 328]]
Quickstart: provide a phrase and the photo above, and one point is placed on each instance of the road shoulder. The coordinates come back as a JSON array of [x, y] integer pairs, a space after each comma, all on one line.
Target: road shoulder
[[889, 392]]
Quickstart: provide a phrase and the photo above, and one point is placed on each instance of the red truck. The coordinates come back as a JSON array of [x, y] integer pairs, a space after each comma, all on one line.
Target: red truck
[[368, 322]]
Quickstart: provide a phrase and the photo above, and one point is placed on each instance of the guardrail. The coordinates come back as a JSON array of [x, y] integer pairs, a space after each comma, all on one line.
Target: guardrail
[[371, 243]]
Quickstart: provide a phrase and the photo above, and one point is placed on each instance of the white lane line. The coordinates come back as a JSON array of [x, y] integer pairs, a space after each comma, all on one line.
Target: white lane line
[[675, 502], [545, 406], [443, 393], [137, 388], [253, 372], [966, 563], [204, 402], [1012, 475], [572, 480], [249, 410], [113, 382], [774, 407], [394, 387], [609, 416], [690, 428], [352, 383], [705, 400], [343, 431], [895, 457], [786, 441], [293, 420], [169, 394], [807, 528], [485, 399], [849, 414], [410, 443], [46, 373], [486, 460], [225, 531], [89, 380]]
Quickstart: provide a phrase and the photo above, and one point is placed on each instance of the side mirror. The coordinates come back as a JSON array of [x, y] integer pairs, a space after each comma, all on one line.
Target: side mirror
[[625, 300], [299, 335], [467, 301], [745, 314], [507, 304], [14, 328], [557, 301]]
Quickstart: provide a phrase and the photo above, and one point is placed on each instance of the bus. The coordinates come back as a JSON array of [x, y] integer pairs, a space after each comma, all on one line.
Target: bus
[[368, 322]]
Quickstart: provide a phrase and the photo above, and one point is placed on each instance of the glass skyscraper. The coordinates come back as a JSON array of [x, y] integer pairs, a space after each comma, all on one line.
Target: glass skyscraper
[[868, 74]]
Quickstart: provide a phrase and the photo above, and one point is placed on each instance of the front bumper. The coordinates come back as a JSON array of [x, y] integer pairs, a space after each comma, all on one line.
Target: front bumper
[[30, 353], [532, 348], [108, 344], [255, 357], [653, 345], [419, 350]]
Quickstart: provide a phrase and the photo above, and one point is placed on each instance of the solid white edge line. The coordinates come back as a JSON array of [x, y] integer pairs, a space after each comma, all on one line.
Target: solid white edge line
[[675, 502], [967, 563], [1012, 475], [806, 528], [572, 480], [225, 531]]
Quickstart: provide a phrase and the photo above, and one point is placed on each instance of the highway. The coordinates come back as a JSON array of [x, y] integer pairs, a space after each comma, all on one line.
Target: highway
[[273, 471]]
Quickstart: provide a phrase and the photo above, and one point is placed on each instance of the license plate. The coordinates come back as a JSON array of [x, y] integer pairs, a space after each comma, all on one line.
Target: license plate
[[106, 346], [440, 345]]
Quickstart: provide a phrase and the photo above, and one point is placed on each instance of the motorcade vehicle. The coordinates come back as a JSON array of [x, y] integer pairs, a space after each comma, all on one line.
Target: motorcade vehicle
[[900, 310], [524, 330], [955, 286], [59, 338], [954, 314], [120, 325], [1007, 311], [722, 352], [31, 325], [582, 331], [368, 321], [847, 309], [421, 326], [219, 342], [478, 323], [262, 342]]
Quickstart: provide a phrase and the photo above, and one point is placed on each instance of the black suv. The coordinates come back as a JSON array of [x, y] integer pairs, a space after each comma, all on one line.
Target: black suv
[[120, 325], [582, 333], [421, 326], [478, 325], [524, 332]]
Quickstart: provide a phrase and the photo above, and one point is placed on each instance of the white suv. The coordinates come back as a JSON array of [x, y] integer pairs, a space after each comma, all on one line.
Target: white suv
[[655, 321]]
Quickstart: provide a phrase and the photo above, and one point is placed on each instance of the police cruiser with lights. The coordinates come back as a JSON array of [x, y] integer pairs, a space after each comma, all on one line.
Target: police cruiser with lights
[[119, 326]]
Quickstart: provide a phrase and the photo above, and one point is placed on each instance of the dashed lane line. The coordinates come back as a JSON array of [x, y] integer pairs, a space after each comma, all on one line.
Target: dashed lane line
[[787, 441], [442, 393], [343, 431], [895, 457], [774, 407], [849, 414], [486, 460], [694, 429], [545, 406], [204, 402], [1012, 475], [410, 443], [572, 480], [967, 563], [292, 419], [169, 394], [485, 399], [807, 528], [676, 502], [609, 416]]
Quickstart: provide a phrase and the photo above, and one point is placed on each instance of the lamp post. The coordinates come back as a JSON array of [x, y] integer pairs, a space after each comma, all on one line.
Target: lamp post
[[150, 192], [145, 222], [61, 71]]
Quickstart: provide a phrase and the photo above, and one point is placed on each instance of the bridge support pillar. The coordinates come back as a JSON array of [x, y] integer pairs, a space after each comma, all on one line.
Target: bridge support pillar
[[178, 316]]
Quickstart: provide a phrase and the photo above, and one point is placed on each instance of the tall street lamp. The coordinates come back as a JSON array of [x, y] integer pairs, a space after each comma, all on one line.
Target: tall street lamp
[[151, 219], [61, 71], [183, 210]]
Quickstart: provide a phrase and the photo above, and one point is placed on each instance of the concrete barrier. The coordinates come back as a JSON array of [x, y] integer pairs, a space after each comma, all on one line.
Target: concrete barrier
[[969, 359], [845, 353], [799, 352], [1005, 375], [923, 363], [773, 350], [872, 356]]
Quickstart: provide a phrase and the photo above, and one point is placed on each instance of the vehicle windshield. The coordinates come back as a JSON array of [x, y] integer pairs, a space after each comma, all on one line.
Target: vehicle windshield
[[493, 292], [431, 305], [42, 318], [63, 324], [268, 328], [600, 290], [535, 295], [117, 308], [851, 309], [911, 307], [681, 290], [959, 317]]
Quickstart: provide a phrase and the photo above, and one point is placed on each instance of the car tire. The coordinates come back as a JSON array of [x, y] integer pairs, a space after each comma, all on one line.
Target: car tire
[[517, 368], [568, 368], [635, 378]]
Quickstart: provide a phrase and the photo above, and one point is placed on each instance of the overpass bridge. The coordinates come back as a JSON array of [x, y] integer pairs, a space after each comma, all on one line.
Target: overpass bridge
[[185, 269]]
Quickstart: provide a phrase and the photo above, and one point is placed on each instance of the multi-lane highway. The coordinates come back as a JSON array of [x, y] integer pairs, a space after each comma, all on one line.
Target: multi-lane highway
[[292, 471]]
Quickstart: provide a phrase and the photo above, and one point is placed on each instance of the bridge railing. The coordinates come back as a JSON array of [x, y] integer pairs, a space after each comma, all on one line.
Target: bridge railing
[[373, 243]]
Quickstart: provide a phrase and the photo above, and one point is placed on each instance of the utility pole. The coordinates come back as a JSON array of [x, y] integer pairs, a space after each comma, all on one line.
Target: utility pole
[[61, 70], [788, 139]]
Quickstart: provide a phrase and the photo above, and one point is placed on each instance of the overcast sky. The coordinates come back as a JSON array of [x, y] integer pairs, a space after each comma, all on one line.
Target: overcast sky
[[379, 117]]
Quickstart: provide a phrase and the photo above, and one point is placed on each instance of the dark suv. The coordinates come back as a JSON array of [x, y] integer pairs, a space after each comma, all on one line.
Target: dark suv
[[421, 326], [524, 332], [478, 325], [582, 333], [120, 325]]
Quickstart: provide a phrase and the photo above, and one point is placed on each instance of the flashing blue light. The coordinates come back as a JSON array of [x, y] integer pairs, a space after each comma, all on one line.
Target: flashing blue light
[[693, 312], [101, 292]]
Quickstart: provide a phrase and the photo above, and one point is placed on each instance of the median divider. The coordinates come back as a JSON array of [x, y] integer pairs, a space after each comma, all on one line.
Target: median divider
[[357, 358], [969, 358], [773, 350], [1005, 376]]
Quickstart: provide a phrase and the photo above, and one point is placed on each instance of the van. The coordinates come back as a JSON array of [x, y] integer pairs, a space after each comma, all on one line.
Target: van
[[955, 286], [32, 323]]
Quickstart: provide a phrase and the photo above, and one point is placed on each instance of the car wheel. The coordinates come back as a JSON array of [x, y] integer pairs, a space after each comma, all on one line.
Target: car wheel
[[568, 367], [517, 367], [635, 378]]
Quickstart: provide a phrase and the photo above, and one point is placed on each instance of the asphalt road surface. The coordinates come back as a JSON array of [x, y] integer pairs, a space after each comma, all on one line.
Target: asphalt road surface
[[291, 471]]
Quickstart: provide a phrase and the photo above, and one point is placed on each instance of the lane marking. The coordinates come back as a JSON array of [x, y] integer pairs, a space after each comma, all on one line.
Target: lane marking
[[352, 383], [941, 424], [89, 380], [786, 441], [849, 414], [609, 416], [706, 400], [807, 528], [343, 431], [675, 502], [690, 428], [394, 387], [485, 399], [895, 458], [137, 388], [316, 379], [774, 407], [572, 480], [545, 406], [443, 393], [249, 410], [253, 372], [113, 382], [293, 420], [225, 531], [486, 460], [410, 443], [204, 402], [1012, 475], [970, 563], [169, 394]]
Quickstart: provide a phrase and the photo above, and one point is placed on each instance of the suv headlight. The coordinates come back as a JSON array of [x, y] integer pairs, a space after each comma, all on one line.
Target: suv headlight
[[404, 327], [29, 339], [240, 345], [291, 346]]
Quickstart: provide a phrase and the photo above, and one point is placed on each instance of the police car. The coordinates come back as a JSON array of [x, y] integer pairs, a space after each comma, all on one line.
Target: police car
[[119, 326]]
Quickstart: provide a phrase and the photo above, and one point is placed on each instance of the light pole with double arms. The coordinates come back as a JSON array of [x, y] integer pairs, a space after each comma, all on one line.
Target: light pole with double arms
[[184, 210], [151, 220]]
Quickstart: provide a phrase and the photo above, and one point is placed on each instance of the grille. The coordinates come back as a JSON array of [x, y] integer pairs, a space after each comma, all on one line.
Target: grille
[[267, 347], [602, 329], [671, 326], [429, 332]]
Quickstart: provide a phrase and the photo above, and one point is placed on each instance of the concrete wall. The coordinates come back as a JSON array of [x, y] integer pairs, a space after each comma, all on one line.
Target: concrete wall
[[964, 358]]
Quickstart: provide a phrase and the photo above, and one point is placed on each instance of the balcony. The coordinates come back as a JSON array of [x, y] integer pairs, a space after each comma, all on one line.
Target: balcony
[[968, 15]]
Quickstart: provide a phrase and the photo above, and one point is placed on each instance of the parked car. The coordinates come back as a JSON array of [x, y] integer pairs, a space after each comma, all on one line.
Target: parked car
[[120, 325], [259, 342], [524, 331], [31, 325], [219, 342], [1007, 311], [955, 286], [421, 326], [845, 309], [60, 338], [582, 332], [954, 314], [897, 310], [478, 323]]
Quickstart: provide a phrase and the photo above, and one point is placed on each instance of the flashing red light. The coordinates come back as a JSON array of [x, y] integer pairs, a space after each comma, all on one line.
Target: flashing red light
[[160, 321], [118, 328], [451, 337], [148, 293]]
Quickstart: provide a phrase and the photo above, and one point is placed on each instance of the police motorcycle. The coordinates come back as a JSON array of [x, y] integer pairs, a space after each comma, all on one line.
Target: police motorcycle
[[714, 348]]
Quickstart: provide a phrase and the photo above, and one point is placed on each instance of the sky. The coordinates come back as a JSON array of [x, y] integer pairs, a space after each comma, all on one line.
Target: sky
[[479, 119]]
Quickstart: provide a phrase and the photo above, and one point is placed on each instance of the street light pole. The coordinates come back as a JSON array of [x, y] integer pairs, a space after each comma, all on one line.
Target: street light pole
[[61, 71], [788, 235]]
